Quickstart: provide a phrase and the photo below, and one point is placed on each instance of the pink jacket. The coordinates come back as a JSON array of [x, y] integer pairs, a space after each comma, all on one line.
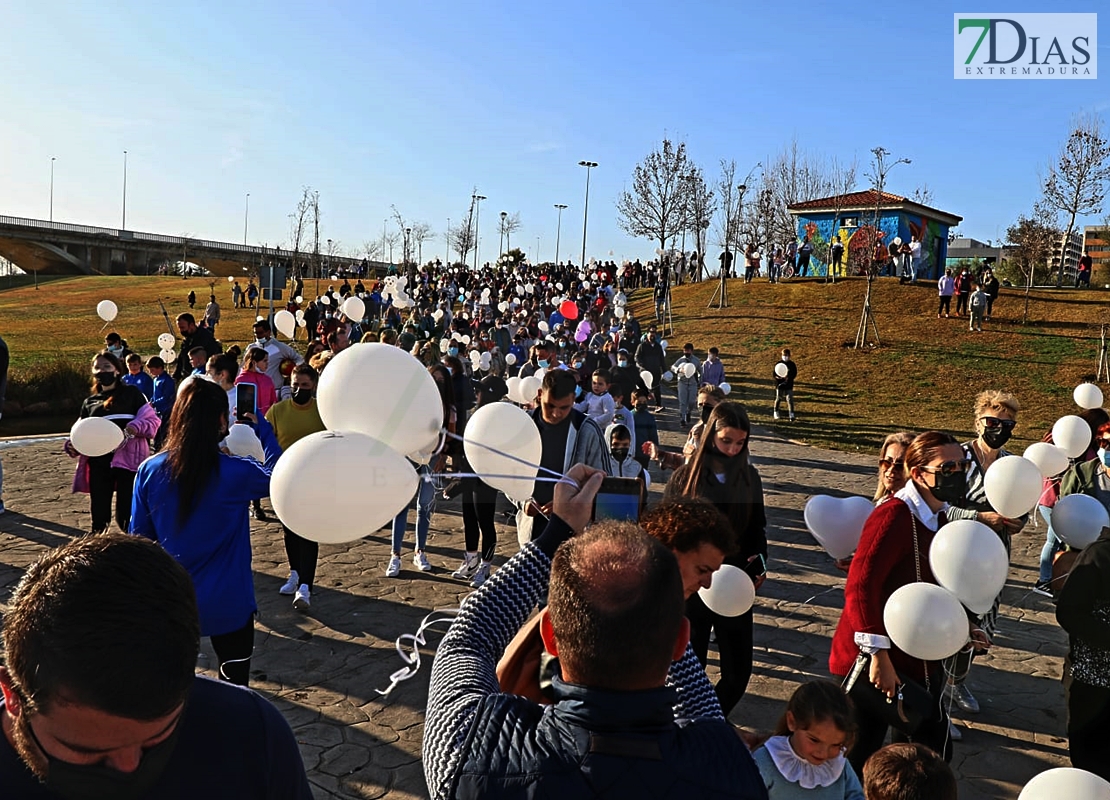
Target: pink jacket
[[131, 453]]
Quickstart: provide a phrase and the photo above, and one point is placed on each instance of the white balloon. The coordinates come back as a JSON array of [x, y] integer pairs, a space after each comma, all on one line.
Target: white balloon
[[619, 312], [837, 522], [663, 344], [539, 374], [529, 388], [969, 560], [510, 358], [354, 309], [543, 326], [1049, 458], [299, 314], [166, 341], [724, 387], [513, 385], [647, 378], [781, 369], [406, 413], [230, 278], [464, 339], [668, 376], [95, 436], [285, 323], [689, 371], [1087, 395], [1072, 435], [485, 360], [1078, 519], [504, 427], [559, 286], [106, 310], [1066, 783], [169, 356], [1013, 485], [336, 487], [241, 440], [731, 592], [325, 300], [925, 621], [301, 322], [503, 306], [298, 300]]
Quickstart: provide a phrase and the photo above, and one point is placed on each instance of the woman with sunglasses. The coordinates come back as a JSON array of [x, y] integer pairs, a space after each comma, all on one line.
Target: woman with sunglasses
[[995, 420], [893, 551], [719, 471]]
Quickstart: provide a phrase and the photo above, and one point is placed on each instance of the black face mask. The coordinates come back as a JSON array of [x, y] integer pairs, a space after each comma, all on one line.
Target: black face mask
[[950, 488], [996, 437], [619, 453], [705, 412], [302, 396], [105, 378], [97, 782]]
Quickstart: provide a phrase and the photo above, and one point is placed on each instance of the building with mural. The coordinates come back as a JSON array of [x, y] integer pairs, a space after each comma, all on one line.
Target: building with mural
[[861, 220]]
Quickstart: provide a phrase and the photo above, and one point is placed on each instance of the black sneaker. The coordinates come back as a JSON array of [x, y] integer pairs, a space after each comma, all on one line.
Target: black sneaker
[[1043, 588]]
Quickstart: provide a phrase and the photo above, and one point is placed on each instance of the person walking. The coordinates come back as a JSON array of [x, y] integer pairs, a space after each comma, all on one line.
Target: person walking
[[784, 373], [649, 358], [946, 287], [212, 314], [963, 291], [688, 381]]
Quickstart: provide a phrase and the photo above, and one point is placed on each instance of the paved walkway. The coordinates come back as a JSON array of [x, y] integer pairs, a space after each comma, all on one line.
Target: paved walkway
[[323, 669]]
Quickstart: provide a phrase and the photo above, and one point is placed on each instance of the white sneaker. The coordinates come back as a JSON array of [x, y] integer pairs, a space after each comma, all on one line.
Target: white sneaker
[[481, 576], [421, 561], [776, 415], [470, 564], [303, 598], [291, 583], [394, 568]]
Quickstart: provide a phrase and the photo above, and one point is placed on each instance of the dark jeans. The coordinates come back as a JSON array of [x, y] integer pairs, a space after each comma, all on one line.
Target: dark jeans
[[933, 732], [990, 306], [104, 481], [945, 306], [657, 385], [302, 554], [479, 501], [1088, 720], [233, 652], [734, 643], [961, 303]]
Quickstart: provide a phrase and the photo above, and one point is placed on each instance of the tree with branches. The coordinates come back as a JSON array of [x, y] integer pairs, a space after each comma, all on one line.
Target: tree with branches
[[702, 206], [421, 232], [1033, 239], [507, 225], [1076, 182], [654, 208], [304, 215], [872, 238]]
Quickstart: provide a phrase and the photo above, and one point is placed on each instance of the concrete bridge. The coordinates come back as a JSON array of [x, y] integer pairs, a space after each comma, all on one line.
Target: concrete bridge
[[55, 248]]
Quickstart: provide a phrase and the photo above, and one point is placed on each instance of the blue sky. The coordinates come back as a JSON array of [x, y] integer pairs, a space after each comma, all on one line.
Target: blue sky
[[376, 104]]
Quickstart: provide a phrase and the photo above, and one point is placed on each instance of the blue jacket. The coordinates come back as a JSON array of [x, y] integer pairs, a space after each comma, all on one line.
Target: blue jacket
[[165, 392], [213, 544], [143, 382]]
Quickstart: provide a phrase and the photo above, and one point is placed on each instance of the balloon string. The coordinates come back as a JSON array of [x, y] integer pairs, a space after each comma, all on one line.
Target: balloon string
[[803, 604], [415, 641], [539, 468], [432, 476]]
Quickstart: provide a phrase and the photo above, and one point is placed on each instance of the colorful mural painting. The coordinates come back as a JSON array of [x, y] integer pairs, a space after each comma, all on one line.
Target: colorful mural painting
[[899, 220]]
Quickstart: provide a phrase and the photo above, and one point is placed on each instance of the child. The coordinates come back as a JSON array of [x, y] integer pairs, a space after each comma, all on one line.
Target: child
[[978, 304], [908, 771], [599, 405], [784, 384], [713, 371], [621, 414], [164, 393], [644, 427], [620, 449], [137, 377], [805, 756], [687, 386]]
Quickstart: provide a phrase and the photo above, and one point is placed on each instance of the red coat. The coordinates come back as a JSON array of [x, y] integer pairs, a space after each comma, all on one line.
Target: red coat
[[884, 562]]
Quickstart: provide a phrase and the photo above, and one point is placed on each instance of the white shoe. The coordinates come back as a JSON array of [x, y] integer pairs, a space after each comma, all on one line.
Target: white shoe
[[776, 415], [394, 568], [471, 563], [302, 600], [481, 576], [291, 583], [421, 561]]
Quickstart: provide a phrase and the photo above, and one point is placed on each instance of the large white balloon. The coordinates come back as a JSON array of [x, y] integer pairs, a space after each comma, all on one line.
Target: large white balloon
[[383, 392], [689, 371], [354, 309], [513, 385], [731, 593], [1072, 435], [241, 440], [510, 358], [169, 356], [529, 388], [286, 323], [781, 369], [166, 341], [106, 310], [647, 378], [1078, 519], [837, 522], [969, 560], [1066, 783], [926, 621], [725, 388], [508, 429], [1049, 458], [1087, 395], [95, 436], [1013, 485], [336, 487]]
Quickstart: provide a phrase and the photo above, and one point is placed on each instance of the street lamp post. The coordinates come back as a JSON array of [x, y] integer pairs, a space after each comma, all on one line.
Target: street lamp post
[[246, 216], [123, 226], [558, 230], [447, 243], [501, 244], [586, 208], [408, 247], [52, 160], [477, 238]]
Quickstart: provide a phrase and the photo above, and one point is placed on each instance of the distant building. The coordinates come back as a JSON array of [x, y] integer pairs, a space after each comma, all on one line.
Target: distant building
[[1096, 243], [1072, 250], [898, 218], [981, 253]]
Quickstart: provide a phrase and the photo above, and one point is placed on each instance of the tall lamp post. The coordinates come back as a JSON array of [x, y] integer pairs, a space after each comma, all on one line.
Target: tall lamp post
[[123, 225], [246, 216], [447, 243], [558, 230], [586, 208], [502, 232], [52, 160], [478, 198]]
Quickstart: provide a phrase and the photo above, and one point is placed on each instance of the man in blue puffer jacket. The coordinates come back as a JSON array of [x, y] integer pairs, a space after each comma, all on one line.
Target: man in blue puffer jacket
[[620, 727]]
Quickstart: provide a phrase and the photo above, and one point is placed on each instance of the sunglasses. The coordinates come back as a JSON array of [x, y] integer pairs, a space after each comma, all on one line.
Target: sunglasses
[[950, 467], [991, 423], [888, 463]]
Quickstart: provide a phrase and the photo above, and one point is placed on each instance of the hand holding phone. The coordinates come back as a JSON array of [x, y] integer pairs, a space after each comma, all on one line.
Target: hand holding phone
[[246, 400], [619, 498]]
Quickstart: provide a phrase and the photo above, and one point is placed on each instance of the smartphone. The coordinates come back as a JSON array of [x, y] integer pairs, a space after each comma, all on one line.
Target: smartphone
[[246, 400], [619, 498]]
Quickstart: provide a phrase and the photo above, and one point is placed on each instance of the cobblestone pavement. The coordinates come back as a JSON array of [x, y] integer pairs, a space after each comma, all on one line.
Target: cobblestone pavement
[[322, 669]]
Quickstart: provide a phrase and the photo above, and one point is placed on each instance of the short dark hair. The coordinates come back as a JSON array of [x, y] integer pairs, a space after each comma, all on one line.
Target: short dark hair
[[908, 771], [156, 362], [619, 432], [559, 383], [687, 523], [307, 371], [198, 351], [187, 317], [98, 602], [616, 605], [714, 351], [603, 374], [262, 323]]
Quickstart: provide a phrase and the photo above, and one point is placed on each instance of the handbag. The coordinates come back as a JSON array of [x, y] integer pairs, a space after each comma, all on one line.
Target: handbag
[[912, 704]]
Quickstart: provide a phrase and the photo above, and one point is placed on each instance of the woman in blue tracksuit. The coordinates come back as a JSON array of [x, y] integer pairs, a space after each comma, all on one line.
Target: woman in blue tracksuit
[[192, 498]]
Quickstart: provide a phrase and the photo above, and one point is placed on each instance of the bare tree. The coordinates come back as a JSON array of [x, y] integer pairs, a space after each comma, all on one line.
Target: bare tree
[[421, 232], [842, 181], [880, 168], [300, 220], [1033, 239], [701, 207], [923, 195], [507, 226], [1076, 183], [654, 207], [371, 250]]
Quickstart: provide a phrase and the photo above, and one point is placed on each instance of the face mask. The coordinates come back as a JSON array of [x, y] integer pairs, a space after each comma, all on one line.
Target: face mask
[[452, 351], [578, 365], [705, 412], [622, 363], [96, 782], [950, 488], [577, 391], [116, 350], [302, 396], [641, 406], [786, 358], [263, 340], [996, 437], [543, 362], [106, 378], [619, 453], [1104, 456]]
